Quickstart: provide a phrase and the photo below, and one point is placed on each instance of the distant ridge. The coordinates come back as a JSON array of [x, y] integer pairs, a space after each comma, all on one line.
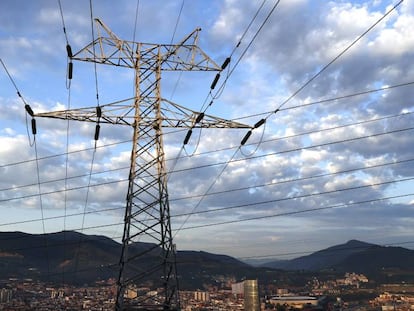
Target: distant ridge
[[77, 258], [354, 255], [322, 259], [379, 258], [62, 256]]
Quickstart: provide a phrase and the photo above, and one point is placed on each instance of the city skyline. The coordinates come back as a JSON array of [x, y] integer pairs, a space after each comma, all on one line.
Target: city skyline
[[317, 173]]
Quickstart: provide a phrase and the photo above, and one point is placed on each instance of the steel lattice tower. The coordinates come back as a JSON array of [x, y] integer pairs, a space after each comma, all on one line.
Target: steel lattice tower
[[147, 212]]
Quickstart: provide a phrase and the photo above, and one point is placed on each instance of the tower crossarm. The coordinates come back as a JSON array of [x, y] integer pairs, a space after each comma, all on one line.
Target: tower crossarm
[[179, 116], [122, 113], [110, 50]]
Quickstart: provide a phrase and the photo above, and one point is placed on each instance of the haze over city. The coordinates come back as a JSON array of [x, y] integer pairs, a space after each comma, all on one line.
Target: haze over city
[[333, 161]]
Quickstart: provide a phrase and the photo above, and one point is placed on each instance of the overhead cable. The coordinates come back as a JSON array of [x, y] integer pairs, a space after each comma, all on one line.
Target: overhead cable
[[27, 107], [322, 101], [334, 60], [298, 179], [225, 64], [328, 251], [275, 183], [342, 205], [302, 196], [237, 160]]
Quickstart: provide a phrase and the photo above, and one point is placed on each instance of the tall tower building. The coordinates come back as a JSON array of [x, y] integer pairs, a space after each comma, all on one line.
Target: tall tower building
[[251, 296], [5, 295]]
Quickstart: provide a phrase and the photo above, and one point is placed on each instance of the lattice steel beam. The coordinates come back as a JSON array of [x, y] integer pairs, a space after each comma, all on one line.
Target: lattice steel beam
[[147, 212]]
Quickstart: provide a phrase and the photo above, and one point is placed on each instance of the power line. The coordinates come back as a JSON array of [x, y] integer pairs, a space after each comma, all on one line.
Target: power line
[[245, 117], [291, 180], [226, 208], [33, 123], [395, 162], [338, 56], [207, 191], [26, 105], [230, 72], [60, 216], [135, 22], [342, 205], [301, 148], [221, 172], [290, 254], [104, 238], [224, 65], [323, 101], [233, 160], [113, 266], [296, 212], [64, 190], [275, 153], [65, 153], [14, 83], [68, 86], [198, 154], [323, 69], [215, 193], [41, 203], [324, 251], [79, 150], [247, 47], [309, 81], [97, 129], [177, 21], [68, 178], [171, 42], [248, 27], [239, 118], [63, 21]]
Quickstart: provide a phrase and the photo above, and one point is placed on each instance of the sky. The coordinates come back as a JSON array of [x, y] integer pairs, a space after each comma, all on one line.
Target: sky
[[334, 81]]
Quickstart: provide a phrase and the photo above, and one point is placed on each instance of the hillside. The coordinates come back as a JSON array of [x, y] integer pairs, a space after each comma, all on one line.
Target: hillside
[[355, 256], [64, 256], [77, 258], [321, 259]]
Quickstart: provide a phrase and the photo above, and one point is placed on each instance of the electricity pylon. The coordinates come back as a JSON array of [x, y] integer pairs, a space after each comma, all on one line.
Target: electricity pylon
[[147, 212]]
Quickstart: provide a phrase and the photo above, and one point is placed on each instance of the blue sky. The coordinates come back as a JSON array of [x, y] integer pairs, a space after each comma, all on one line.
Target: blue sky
[[319, 173]]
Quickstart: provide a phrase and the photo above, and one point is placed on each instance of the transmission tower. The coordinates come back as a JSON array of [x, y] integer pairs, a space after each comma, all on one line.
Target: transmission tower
[[147, 212]]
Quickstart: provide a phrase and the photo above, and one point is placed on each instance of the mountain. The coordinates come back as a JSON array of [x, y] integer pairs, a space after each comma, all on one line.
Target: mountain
[[77, 258], [355, 256], [321, 259], [64, 256], [197, 268], [379, 258]]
